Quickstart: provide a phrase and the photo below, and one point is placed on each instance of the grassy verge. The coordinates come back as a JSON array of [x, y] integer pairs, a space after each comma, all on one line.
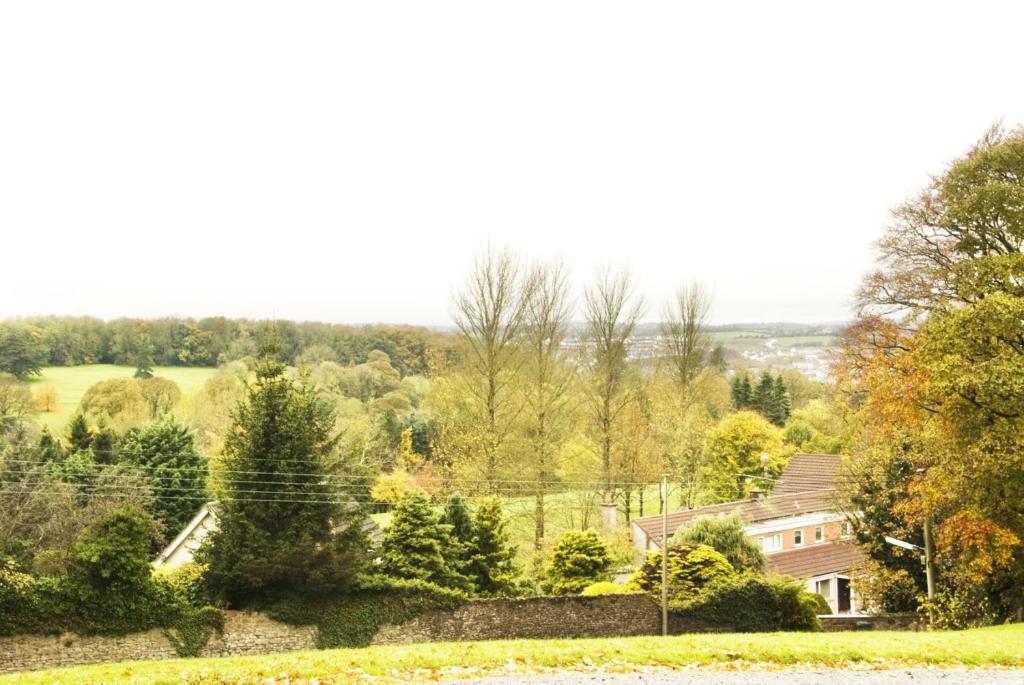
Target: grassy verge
[[1000, 646]]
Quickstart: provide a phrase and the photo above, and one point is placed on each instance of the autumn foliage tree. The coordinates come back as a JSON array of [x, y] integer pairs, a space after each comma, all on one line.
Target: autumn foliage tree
[[934, 366]]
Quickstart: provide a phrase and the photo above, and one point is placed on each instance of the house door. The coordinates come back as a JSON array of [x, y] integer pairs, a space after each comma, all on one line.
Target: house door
[[843, 594]]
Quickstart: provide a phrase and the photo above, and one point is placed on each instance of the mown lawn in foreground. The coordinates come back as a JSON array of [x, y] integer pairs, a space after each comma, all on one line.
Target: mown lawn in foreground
[[998, 646]]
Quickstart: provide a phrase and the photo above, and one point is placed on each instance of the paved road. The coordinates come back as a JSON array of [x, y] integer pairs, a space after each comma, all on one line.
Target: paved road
[[911, 676]]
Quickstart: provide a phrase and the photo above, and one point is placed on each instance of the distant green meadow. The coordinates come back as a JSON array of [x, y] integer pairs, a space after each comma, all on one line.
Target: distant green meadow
[[71, 382]]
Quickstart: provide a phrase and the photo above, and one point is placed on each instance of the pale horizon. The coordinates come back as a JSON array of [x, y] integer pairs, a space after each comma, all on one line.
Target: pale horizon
[[344, 163]]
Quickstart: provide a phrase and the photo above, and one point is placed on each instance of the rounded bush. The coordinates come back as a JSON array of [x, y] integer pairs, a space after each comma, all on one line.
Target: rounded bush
[[603, 588]]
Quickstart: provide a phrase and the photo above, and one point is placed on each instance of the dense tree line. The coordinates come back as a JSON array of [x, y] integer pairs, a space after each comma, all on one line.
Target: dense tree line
[[28, 344]]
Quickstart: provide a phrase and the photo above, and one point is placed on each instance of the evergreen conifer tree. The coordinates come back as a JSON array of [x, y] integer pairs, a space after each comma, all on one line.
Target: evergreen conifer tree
[[492, 566], [763, 392], [578, 559], [79, 433], [456, 516], [741, 391], [780, 406], [167, 453], [105, 441], [49, 448], [418, 546], [297, 531]]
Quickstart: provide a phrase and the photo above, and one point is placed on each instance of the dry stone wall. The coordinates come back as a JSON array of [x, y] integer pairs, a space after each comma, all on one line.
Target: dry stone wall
[[245, 633], [248, 633], [535, 617]]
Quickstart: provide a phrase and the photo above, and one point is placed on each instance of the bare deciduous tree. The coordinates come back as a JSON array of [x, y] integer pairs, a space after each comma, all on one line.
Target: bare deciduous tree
[[547, 379], [684, 336], [612, 310], [491, 312]]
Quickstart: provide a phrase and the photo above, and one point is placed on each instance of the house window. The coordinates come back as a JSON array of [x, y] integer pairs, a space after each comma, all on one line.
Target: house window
[[844, 529], [824, 587], [771, 543], [798, 537], [819, 534]]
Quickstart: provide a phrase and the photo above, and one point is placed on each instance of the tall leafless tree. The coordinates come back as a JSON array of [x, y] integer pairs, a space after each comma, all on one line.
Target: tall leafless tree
[[491, 313], [613, 309], [547, 379]]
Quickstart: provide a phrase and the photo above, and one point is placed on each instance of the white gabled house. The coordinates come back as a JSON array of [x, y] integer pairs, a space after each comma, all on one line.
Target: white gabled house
[[799, 527], [181, 549]]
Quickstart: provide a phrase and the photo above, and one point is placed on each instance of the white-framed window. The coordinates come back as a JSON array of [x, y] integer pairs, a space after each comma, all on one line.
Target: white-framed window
[[819, 534], [824, 587], [798, 537], [844, 529], [771, 543]]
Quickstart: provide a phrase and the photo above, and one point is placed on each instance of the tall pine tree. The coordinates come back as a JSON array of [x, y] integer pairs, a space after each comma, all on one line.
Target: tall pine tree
[[294, 529], [741, 391], [761, 397], [778, 412], [456, 515], [492, 565]]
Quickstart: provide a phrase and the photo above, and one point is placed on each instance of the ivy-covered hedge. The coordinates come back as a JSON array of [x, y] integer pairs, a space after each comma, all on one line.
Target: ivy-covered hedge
[[751, 603], [53, 605], [351, 620]]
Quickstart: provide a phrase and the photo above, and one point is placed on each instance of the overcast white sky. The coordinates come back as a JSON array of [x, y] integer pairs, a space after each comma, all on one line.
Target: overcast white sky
[[343, 161]]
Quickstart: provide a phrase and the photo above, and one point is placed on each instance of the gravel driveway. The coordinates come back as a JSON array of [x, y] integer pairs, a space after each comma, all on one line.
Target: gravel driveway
[[786, 677]]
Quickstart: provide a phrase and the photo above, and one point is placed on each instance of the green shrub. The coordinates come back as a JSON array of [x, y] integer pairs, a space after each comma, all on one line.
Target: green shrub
[[187, 582], [821, 605], [724, 534], [690, 567], [752, 604], [603, 588], [113, 551], [111, 592], [352, 620], [16, 605], [577, 560]]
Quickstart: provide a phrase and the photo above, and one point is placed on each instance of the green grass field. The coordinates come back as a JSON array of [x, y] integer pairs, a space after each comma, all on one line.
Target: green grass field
[[807, 341], [71, 382], [1002, 646]]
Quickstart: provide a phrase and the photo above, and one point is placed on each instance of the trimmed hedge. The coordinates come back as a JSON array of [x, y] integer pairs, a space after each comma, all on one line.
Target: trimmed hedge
[[352, 620], [752, 604]]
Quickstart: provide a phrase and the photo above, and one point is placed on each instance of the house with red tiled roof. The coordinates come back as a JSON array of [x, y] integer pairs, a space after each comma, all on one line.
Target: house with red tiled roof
[[800, 527]]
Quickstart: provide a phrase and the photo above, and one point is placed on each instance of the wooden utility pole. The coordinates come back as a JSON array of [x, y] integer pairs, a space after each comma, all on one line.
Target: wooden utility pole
[[929, 571], [664, 556]]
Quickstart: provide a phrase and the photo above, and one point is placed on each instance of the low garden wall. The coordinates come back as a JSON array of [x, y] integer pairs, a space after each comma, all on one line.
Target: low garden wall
[[247, 633], [567, 616]]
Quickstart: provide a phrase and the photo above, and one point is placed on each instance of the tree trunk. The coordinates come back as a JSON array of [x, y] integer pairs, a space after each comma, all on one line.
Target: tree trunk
[[538, 519]]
